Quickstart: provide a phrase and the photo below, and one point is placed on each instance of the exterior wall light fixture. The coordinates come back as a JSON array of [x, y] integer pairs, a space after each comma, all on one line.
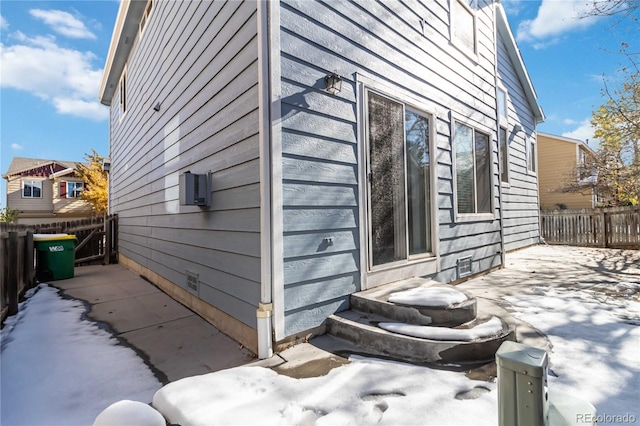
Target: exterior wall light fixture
[[333, 83], [156, 107]]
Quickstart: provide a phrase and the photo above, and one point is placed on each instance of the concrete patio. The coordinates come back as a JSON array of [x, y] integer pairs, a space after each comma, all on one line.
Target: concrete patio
[[177, 343], [172, 339]]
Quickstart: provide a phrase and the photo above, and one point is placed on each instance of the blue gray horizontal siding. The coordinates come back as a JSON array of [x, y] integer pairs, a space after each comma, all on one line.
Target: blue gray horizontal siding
[[388, 42], [520, 197], [199, 61]]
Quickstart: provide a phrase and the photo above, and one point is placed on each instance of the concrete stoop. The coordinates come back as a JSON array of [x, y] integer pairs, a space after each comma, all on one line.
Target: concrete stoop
[[369, 308]]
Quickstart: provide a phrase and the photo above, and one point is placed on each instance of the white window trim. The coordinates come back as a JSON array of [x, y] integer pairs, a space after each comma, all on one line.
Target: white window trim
[[472, 217], [414, 266], [503, 123], [472, 54], [144, 20], [32, 181], [410, 258], [122, 100], [505, 183], [532, 142], [69, 191], [503, 119]]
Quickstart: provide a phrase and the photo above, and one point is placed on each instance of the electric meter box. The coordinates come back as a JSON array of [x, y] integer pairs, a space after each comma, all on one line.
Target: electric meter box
[[194, 189], [523, 395]]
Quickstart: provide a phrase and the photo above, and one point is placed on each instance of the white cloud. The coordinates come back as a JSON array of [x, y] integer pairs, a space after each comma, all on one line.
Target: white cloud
[[513, 7], [63, 23], [16, 146], [554, 19], [569, 121], [4, 25], [81, 108], [62, 76], [584, 132]]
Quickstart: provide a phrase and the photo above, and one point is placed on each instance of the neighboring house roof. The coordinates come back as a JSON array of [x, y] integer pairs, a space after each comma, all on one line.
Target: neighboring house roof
[[566, 139], [124, 33], [516, 58], [38, 167]]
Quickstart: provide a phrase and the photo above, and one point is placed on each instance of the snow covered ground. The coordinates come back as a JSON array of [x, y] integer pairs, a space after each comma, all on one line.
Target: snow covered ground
[[596, 344], [58, 369]]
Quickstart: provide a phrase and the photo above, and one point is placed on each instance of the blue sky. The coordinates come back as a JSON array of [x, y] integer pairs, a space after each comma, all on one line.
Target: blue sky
[[52, 54]]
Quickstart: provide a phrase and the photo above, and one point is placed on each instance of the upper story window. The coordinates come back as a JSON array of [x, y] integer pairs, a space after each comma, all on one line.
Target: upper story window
[[502, 106], [531, 157], [584, 172], [473, 170], [31, 189], [503, 145], [122, 92], [463, 24], [71, 189], [145, 15]]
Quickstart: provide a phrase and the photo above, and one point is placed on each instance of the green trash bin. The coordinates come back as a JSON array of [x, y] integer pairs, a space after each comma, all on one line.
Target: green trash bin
[[55, 256]]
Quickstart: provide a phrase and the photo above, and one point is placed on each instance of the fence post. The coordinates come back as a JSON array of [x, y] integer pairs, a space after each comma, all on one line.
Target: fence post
[[12, 279], [29, 269], [107, 240], [605, 229]]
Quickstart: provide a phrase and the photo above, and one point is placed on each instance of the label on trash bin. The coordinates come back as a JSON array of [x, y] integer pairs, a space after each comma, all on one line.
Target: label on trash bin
[[56, 248]]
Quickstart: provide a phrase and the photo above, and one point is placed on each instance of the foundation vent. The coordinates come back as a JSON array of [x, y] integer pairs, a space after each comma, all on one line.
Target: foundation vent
[[193, 282], [464, 267]]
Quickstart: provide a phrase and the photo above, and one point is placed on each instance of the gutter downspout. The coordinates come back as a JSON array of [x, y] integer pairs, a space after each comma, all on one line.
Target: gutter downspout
[[265, 307]]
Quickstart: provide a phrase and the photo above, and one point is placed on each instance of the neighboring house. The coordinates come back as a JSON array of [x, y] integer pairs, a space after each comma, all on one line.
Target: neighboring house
[[45, 191], [421, 164], [559, 161]]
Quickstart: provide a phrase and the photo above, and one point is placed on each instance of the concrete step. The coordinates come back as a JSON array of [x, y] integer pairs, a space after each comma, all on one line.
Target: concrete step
[[360, 328], [376, 301]]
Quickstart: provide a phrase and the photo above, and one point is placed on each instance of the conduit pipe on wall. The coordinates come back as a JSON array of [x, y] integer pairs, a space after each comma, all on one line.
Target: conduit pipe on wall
[[265, 308]]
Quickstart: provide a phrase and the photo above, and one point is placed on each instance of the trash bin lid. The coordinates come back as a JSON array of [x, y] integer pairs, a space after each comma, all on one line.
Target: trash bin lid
[[53, 237]]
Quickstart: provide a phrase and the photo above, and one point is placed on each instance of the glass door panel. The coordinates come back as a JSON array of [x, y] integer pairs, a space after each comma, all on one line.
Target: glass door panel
[[418, 191], [386, 180]]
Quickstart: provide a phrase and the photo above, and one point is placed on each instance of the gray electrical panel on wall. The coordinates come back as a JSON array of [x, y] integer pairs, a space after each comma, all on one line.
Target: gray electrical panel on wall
[[194, 189]]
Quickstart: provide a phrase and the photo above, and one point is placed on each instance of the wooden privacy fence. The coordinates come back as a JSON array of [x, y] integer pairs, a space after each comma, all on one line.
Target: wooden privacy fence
[[613, 227], [97, 243]]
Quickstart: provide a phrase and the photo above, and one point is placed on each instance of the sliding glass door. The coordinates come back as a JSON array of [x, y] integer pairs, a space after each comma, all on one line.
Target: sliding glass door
[[398, 181]]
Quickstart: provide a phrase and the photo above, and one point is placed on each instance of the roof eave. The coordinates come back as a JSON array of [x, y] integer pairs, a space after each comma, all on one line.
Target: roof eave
[[578, 142], [124, 33], [61, 173], [514, 54]]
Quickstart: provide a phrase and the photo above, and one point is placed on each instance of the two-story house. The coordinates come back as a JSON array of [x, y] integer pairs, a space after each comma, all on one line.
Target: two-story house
[[343, 145], [560, 159], [44, 191]]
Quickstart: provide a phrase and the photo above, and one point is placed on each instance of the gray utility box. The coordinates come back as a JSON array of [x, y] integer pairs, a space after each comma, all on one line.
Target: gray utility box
[[194, 189], [523, 396]]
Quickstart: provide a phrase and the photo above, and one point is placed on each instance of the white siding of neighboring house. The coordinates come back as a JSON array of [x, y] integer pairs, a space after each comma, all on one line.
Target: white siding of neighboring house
[[198, 60], [73, 207], [29, 206]]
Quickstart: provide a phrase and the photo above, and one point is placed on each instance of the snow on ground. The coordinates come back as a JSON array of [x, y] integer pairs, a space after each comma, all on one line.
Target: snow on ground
[[361, 393], [484, 330], [429, 296], [596, 344], [59, 369]]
